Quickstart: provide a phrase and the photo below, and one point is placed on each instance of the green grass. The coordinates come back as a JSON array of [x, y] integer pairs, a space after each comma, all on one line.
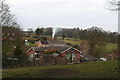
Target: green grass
[[106, 48], [77, 42], [101, 69], [110, 46], [32, 45], [73, 41]]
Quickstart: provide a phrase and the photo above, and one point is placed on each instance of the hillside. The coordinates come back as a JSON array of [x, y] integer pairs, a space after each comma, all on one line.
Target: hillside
[[104, 49]]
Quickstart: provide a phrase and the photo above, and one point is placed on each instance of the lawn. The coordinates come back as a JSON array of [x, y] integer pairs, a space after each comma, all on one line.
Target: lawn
[[101, 69]]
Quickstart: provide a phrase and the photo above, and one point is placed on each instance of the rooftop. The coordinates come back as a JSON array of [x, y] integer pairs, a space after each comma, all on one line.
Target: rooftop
[[59, 48]]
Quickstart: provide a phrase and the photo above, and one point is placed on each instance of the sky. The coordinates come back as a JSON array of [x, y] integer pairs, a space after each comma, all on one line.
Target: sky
[[64, 13]]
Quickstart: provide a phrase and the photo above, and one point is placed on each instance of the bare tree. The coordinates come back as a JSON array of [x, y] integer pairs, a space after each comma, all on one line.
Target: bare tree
[[114, 5], [30, 30], [6, 18]]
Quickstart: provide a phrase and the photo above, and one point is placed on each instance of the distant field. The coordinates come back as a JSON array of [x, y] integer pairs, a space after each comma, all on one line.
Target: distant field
[[72, 40], [76, 42], [101, 69], [110, 46], [106, 49]]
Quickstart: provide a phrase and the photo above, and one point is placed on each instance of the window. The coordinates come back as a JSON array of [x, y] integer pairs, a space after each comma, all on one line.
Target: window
[[70, 56], [37, 55], [73, 56], [31, 55]]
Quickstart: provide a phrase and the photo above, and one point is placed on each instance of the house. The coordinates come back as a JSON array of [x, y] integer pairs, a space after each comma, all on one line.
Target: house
[[69, 53], [51, 42]]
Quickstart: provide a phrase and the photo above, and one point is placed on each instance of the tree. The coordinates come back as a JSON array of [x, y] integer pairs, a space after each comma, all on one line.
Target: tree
[[11, 33], [47, 31], [39, 31], [20, 55], [85, 47], [9, 26], [112, 37], [17, 52], [6, 18], [114, 5], [30, 30], [97, 37], [63, 36]]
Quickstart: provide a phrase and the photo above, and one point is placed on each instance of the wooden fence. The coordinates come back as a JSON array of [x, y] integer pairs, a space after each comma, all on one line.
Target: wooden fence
[[44, 60], [49, 60]]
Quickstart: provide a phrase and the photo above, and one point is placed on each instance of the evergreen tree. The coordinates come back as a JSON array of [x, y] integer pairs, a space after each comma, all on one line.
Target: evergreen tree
[[39, 31], [17, 52]]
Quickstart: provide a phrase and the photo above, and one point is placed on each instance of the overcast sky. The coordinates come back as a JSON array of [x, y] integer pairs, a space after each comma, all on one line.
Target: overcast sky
[[64, 13]]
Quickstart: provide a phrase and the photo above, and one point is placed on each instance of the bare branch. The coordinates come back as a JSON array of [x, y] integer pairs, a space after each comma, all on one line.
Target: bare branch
[[114, 5], [6, 18]]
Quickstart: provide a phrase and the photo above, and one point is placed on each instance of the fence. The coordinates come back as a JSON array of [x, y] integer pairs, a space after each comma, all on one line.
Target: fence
[[45, 60], [49, 60]]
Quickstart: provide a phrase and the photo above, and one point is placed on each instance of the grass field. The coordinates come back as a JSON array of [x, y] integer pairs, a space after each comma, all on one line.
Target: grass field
[[101, 69], [106, 49], [76, 42], [110, 46], [72, 41]]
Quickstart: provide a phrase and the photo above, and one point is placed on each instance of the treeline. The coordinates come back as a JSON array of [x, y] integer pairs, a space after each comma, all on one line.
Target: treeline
[[90, 33], [86, 34]]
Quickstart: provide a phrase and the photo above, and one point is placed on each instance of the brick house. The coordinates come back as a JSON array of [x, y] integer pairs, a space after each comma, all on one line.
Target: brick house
[[69, 53]]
